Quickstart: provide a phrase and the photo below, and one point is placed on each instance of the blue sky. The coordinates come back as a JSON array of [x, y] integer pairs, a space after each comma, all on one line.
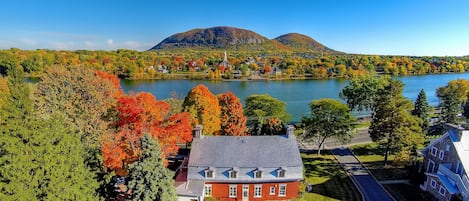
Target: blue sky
[[399, 27]]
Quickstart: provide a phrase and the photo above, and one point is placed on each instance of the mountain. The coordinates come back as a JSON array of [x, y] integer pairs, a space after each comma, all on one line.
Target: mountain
[[302, 42], [215, 37], [240, 39]]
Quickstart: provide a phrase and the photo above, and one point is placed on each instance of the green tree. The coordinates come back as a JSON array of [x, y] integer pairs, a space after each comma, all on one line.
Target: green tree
[[452, 96], [40, 158], [361, 92], [149, 179], [392, 124], [329, 119], [262, 107], [422, 110]]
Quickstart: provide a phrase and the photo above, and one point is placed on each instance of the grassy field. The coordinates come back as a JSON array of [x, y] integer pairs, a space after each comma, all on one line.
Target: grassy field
[[328, 179], [371, 155]]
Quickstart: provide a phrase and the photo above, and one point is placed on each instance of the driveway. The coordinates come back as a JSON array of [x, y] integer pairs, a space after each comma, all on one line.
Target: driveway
[[366, 183]]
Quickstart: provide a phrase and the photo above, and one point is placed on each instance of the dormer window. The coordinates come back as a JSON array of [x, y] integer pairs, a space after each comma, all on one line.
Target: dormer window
[[281, 173], [233, 174], [258, 173], [209, 173]]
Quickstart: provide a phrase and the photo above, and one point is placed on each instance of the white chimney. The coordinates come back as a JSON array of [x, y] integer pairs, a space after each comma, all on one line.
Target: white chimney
[[197, 131], [290, 130]]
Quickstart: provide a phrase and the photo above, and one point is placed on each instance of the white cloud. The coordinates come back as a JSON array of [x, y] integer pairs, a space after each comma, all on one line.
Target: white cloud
[[27, 41], [110, 42]]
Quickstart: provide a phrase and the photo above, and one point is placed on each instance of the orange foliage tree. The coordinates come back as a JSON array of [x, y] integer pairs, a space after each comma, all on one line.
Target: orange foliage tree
[[139, 114], [204, 109], [233, 121]]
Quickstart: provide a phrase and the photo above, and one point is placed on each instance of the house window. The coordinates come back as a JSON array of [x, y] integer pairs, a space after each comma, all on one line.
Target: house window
[[441, 155], [258, 191], [233, 191], [442, 191], [257, 174], [448, 147], [282, 190], [431, 166], [281, 173], [208, 190], [272, 190], [233, 174], [209, 174], [434, 150], [459, 168], [433, 183]]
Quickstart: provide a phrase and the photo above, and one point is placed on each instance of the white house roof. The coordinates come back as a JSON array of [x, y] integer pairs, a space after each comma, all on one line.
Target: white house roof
[[245, 151]]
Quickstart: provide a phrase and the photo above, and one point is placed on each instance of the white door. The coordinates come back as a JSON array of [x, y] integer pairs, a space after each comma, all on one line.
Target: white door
[[245, 192]]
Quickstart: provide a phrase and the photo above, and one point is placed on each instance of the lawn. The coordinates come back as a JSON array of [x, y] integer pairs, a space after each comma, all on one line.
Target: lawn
[[371, 156], [328, 179]]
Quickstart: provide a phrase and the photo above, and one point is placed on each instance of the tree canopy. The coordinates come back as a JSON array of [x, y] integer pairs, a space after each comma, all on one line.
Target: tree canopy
[[422, 110], [263, 109], [361, 92], [233, 121], [329, 119], [452, 96], [204, 109]]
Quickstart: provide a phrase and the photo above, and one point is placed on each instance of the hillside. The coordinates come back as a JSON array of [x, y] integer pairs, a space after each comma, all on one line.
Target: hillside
[[240, 39], [216, 37], [302, 42]]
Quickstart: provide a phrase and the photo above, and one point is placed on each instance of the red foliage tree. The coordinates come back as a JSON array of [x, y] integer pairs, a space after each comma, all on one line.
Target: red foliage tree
[[139, 114], [233, 121]]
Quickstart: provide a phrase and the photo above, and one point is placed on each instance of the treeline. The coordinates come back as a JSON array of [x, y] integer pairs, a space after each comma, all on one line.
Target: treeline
[[208, 64]]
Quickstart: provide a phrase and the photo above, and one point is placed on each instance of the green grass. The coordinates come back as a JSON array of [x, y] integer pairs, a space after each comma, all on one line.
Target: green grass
[[329, 180]]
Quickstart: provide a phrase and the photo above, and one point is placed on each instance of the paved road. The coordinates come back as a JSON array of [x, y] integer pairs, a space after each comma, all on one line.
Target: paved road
[[361, 137], [367, 184]]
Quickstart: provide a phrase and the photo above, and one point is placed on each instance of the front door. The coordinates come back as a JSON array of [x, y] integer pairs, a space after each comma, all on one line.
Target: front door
[[245, 192]]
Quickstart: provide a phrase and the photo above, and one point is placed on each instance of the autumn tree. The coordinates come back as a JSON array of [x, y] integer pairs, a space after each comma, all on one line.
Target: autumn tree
[[262, 107], [149, 179], [392, 124], [452, 96], [233, 121], [138, 114], [204, 109], [329, 119], [41, 159], [422, 110], [82, 97]]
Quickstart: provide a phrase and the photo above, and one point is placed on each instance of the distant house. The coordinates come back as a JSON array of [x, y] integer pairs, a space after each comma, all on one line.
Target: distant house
[[446, 165], [241, 168]]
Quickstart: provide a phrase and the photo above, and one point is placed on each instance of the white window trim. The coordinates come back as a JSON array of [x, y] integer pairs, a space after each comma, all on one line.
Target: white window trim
[[428, 166], [444, 191], [235, 191], [432, 181], [272, 190], [255, 191], [441, 155], [285, 193], [434, 153], [208, 186]]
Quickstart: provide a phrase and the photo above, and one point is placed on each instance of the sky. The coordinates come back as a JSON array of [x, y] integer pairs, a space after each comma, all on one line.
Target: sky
[[398, 27]]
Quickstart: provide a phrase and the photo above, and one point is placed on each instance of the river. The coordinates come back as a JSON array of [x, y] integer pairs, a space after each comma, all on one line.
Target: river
[[296, 93]]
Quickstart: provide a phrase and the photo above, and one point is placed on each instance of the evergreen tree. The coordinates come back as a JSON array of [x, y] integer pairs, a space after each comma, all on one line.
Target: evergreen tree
[[40, 159], [421, 110], [149, 179]]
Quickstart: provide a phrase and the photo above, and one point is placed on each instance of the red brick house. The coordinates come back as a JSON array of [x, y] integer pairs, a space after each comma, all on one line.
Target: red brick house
[[243, 168]]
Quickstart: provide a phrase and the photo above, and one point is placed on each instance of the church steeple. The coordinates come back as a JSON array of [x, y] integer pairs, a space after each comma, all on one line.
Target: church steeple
[[225, 60]]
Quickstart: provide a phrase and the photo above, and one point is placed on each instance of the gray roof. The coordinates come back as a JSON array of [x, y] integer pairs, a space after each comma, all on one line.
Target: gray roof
[[245, 151]]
